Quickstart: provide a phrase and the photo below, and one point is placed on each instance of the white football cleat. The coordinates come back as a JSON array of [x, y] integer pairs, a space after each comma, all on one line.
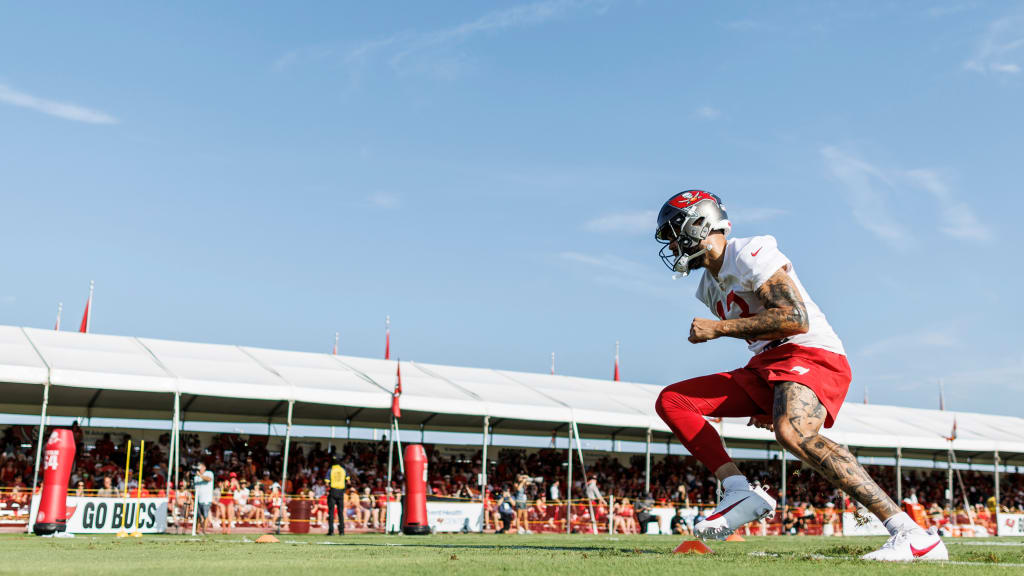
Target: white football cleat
[[737, 507], [909, 546]]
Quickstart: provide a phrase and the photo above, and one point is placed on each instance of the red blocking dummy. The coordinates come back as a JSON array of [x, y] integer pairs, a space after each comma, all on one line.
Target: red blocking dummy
[[58, 460], [414, 509]]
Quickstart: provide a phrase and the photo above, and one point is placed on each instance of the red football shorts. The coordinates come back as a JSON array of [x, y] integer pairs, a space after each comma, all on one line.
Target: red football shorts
[[750, 391]]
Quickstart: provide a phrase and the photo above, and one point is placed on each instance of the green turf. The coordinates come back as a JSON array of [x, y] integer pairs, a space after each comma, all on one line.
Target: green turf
[[377, 555]]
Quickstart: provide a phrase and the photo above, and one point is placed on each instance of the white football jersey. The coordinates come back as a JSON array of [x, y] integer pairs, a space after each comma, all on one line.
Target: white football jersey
[[748, 263]]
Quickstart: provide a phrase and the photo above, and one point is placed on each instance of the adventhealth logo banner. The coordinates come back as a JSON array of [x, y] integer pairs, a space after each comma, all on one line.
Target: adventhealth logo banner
[[106, 515], [1010, 524]]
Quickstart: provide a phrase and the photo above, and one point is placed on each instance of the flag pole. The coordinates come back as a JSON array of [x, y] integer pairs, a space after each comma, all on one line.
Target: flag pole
[[942, 396], [387, 491], [387, 337], [88, 313], [616, 378], [60, 309], [552, 363], [336, 336]]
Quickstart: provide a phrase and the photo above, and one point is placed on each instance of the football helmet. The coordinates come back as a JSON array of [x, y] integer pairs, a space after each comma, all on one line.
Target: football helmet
[[685, 220]]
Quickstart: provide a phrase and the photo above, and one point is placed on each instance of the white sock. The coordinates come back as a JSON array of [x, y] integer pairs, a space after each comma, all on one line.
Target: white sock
[[737, 482], [900, 522]]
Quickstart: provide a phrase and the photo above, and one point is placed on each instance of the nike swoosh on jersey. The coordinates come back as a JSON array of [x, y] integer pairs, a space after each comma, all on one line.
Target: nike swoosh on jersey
[[718, 515], [918, 553], [754, 253]]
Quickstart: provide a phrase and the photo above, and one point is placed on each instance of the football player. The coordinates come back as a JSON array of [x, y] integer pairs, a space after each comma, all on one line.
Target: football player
[[794, 384]]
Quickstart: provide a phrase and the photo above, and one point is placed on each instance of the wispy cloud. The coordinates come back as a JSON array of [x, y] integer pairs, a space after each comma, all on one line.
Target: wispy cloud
[[54, 108], [959, 219], [516, 16], [433, 51], [748, 215], [708, 113], [627, 275], [744, 24], [1000, 48], [866, 188], [385, 200], [941, 10], [637, 222], [920, 340], [869, 187]]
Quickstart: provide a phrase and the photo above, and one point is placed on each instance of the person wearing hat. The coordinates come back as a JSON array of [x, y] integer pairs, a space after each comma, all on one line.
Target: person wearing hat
[[336, 479]]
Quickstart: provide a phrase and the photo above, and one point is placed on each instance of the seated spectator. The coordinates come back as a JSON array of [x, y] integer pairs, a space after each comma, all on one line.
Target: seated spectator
[[678, 524], [107, 490]]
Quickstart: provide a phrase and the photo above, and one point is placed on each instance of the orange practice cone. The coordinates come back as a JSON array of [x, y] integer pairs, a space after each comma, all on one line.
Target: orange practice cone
[[266, 539], [734, 537], [692, 547]]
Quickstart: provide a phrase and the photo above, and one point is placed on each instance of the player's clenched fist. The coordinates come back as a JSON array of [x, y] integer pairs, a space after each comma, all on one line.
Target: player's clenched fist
[[702, 330]]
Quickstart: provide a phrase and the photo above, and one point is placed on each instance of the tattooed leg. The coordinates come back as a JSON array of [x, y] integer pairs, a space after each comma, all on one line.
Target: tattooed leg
[[798, 415]]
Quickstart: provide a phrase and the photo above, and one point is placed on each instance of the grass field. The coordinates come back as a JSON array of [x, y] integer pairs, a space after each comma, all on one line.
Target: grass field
[[376, 555]]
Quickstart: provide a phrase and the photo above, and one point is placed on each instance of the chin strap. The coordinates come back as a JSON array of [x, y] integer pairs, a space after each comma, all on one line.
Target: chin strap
[[682, 265]]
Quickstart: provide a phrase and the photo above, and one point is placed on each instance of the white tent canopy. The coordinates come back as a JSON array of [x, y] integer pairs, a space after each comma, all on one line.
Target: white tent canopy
[[120, 376]]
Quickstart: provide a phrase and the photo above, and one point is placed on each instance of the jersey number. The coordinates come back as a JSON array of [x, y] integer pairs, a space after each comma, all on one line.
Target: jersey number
[[731, 299]]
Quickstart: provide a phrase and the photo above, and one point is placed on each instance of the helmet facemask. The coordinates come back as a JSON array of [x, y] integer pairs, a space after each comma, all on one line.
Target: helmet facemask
[[686, 234]]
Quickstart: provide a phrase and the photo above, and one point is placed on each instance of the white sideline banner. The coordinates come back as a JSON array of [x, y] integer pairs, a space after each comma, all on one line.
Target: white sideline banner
[[105, 515], [665, 514], [443, 516], [1010, 524], [873, 527]]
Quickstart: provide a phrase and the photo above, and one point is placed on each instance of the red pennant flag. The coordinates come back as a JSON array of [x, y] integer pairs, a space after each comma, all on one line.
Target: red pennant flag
[[60, 308], [387, 337], [87, 317], [395, 410], [952, 434]]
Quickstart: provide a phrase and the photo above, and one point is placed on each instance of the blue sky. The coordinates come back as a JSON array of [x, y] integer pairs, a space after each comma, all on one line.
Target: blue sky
[[488, 175]]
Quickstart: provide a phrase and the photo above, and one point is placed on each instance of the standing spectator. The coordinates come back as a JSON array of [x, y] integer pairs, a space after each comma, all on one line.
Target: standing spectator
[[643, 513], [522, 506], [594, 493], [555, 493], [204, 496], [276, 504], [336, 480]]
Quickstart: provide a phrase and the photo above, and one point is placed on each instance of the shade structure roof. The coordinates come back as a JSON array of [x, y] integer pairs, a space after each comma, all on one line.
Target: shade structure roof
[[129, 377]]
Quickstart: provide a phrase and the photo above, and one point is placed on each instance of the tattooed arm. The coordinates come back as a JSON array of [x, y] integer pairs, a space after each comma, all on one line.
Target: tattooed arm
[[784, 315]]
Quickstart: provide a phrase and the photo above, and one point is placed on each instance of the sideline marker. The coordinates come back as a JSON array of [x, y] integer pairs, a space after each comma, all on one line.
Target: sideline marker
[[692, 547]]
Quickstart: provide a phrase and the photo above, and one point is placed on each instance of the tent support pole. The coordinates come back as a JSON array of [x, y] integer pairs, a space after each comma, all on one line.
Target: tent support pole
[[568, 489], [284, 464], [783, 491], [995, 465], [899, 475], [172, 456], [398, 442], [387, 489], [647, 465], [583, 471], [39, 440], [949, 463], [483, 459]]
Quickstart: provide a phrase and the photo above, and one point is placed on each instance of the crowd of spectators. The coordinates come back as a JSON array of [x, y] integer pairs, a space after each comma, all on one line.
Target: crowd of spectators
[[526, 488]]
